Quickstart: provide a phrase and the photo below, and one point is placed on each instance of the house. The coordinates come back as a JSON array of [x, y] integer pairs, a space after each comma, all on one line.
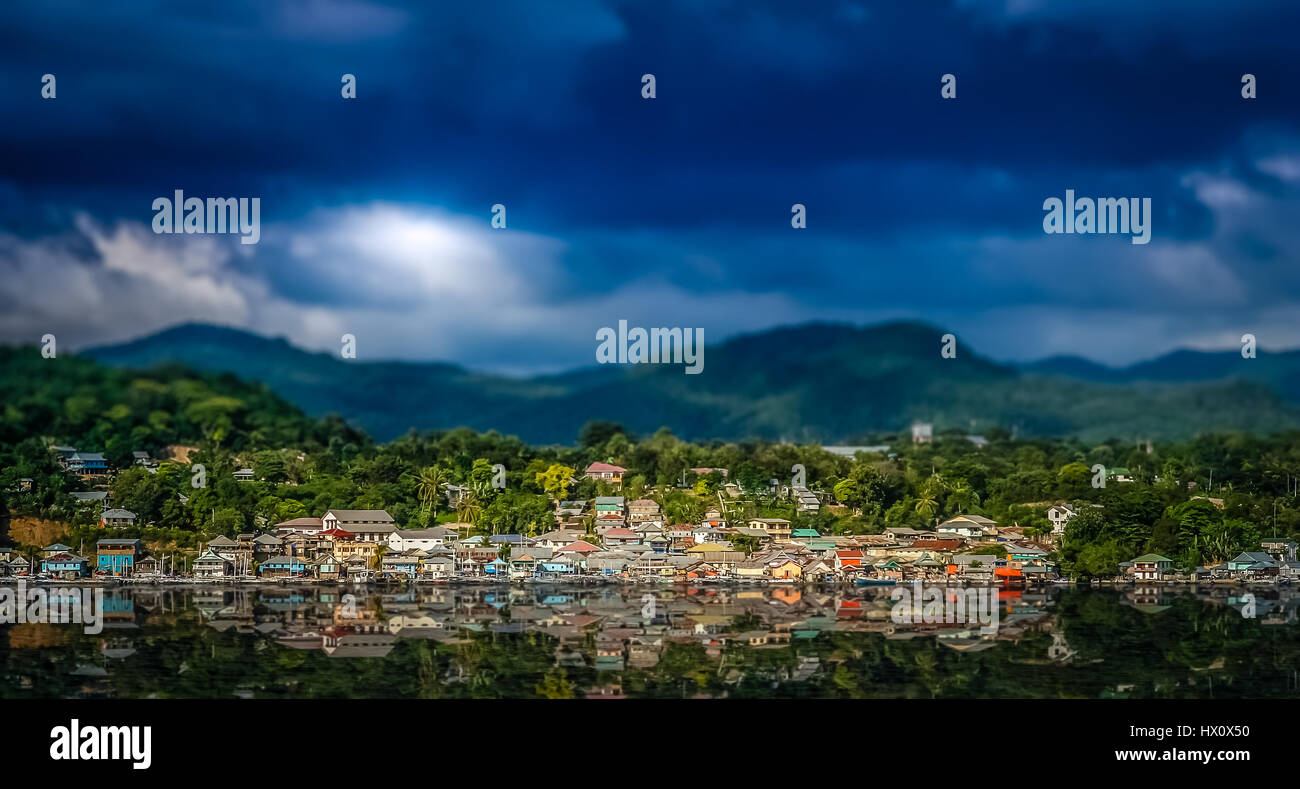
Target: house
[[606, 472], [65, 565], [922, 432], [300, 526], [609, 563], [399, 564], [615, 537], [438, 566], [212, 564], [99, 497], [1151, 567], [1059, 515], [19, 565], [1253, 564], [1282, 550], [118, 557], [141, 458], [283, 567], [777, 529], [1119, 474], [56, 548], [367, 525], [265, 546], [805, 500], [848, 559], [117, 518], [704, 472], [421, 539], [88, 463], [558, 538], [579, 547], [713, 520], [643, 510], [968, 526], [900, 533], [608, 506], [327, 567], [244, 475]]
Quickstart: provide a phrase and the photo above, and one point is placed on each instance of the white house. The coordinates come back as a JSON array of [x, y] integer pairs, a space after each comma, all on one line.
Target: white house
[[419, 539], [367, 525], [1060, 515]]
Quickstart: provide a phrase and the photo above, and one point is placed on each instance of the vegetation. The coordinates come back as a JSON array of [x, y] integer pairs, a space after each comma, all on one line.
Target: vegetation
[[304, 466]]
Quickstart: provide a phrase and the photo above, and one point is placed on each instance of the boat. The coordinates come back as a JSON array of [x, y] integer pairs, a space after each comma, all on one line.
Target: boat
[[875, 582]]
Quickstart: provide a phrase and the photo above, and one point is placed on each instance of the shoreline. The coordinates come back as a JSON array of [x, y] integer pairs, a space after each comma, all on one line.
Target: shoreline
[[598, 581]]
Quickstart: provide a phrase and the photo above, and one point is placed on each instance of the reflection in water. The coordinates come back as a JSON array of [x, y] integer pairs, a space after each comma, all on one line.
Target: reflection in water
[[558, 642]]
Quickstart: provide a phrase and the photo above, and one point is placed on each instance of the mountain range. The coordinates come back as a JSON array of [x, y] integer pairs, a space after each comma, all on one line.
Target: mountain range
[[831, 383]]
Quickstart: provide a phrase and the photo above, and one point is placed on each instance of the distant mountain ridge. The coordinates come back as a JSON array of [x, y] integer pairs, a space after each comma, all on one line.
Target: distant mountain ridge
[[812, 382]]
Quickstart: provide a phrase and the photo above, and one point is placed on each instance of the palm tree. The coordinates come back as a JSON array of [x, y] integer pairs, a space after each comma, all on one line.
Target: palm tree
[[429, 488], [926, 505], [468, 509]]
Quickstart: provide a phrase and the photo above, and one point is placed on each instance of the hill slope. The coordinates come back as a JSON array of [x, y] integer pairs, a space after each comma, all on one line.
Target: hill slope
[[816, 382]]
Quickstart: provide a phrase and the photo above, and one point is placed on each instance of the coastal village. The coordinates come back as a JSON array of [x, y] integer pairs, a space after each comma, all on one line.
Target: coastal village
[[607, 539]]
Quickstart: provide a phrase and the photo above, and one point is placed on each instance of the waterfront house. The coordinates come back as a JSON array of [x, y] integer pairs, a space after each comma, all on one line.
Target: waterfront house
[[118, 556], [283, 567], [117, 518], [65, 565], [401, 564], [1253, 564], [606, 472], [441, 565], [557, 565], [609, 563], [848, 559], [1151, 567], [212, 564], [327, 567]]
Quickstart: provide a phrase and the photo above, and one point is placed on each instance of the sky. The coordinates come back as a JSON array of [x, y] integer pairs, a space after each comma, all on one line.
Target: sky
[[673, 211]]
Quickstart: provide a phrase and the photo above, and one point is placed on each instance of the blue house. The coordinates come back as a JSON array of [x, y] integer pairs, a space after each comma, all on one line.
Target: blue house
[[88, 463], [559, 566], [118, 556], [283, 566], [65, 565]]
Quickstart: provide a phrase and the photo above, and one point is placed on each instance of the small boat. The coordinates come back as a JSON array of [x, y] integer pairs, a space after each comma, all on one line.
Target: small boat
[[875, 582]]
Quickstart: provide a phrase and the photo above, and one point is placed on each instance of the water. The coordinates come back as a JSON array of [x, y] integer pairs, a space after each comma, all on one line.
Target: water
[[657, 642]]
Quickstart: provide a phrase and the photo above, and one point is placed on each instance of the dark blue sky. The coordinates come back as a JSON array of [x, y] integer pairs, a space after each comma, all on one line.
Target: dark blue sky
[[666, 212]]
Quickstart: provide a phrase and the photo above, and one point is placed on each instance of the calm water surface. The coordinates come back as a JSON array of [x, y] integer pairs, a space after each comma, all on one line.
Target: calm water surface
[[557, 642]]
